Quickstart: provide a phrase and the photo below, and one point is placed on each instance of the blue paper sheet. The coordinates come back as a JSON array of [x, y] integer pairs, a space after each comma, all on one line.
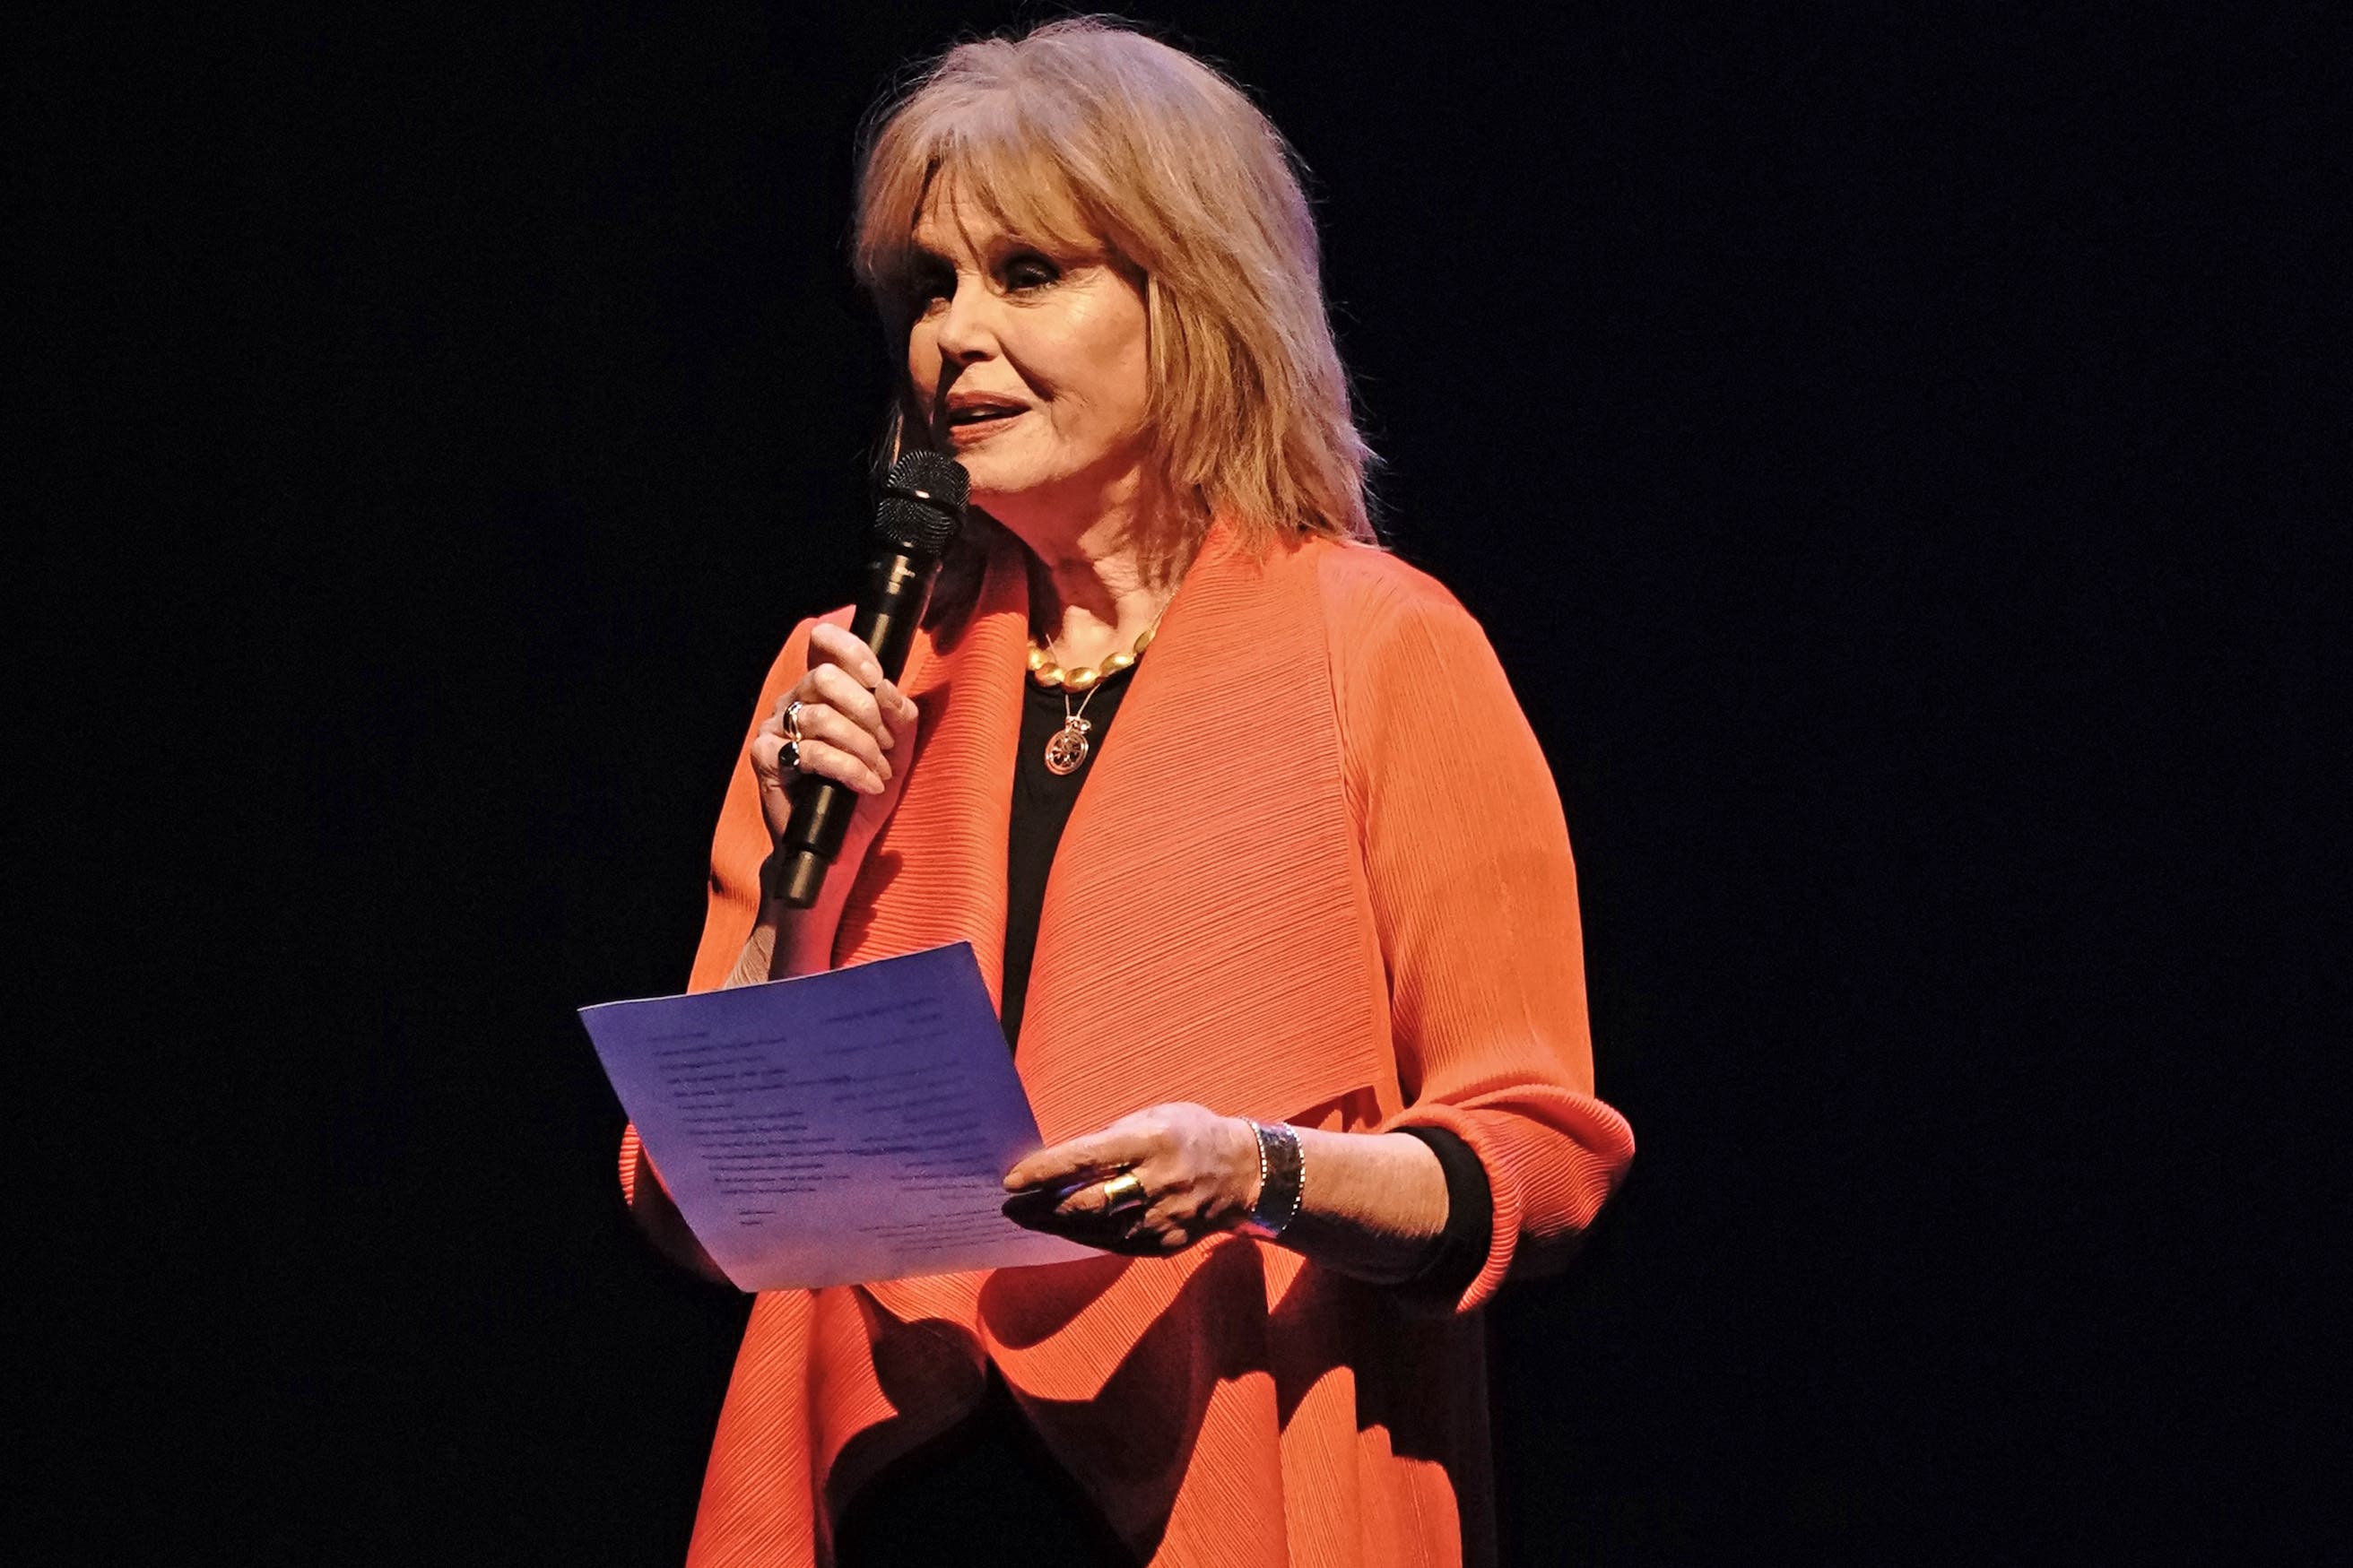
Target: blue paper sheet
[[835, 1128]]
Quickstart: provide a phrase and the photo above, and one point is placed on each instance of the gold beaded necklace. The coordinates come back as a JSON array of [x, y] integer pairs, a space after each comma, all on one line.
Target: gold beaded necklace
[[1067, 751]]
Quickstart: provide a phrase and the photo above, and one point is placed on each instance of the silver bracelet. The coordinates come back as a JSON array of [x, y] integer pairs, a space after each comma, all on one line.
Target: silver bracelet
[[1281, 1181]]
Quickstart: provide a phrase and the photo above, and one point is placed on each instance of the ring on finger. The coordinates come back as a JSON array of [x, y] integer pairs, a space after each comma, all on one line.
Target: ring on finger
[[788, 757], [1124, 1193], [793, 720]]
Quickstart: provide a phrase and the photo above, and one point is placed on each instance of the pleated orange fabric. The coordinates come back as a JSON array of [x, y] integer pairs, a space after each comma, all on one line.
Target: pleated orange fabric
[[1319, 873]]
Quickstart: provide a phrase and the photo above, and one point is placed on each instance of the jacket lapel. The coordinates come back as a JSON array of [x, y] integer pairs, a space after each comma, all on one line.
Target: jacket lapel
[[935, 873], [1205, 933]]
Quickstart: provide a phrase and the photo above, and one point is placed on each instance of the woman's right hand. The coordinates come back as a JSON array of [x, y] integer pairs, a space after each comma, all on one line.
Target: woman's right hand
[[851, 721]]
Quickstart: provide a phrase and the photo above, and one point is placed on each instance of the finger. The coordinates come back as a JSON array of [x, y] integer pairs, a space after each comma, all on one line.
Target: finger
[[1036, 1209], [835, 645], [774, 778], [1126, 1232], [837, 729], [897, 704], [1144, 1236], [1094, 1200], [840, 691], [826, 760], [768, 762], [1098, 1154]]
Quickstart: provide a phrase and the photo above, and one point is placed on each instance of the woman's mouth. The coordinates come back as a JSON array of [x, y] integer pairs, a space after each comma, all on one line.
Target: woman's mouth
[[980, 420]]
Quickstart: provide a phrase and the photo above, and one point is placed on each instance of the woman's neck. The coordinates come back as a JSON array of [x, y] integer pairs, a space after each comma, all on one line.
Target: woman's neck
[[1092, 605], [1095, 587]]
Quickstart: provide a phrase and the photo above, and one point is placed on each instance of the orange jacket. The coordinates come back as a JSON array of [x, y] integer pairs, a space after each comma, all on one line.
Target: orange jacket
[[1318, 874]]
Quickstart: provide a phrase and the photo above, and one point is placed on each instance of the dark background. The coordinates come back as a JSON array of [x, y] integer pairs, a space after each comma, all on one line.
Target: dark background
[[1882, 448]]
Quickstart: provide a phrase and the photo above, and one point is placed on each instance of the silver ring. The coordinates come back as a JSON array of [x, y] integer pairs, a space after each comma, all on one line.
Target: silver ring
[[793, 720]]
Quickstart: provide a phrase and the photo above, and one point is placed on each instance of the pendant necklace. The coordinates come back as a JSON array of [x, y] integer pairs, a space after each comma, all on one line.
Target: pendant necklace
[[1066, 752]]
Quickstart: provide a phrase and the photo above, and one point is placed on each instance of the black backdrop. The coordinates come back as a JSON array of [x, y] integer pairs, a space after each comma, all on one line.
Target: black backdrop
[[1876, 447]]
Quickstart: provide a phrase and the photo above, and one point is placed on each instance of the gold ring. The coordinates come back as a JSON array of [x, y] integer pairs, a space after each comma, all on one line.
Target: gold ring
[[793, 721], [1123, 1192]]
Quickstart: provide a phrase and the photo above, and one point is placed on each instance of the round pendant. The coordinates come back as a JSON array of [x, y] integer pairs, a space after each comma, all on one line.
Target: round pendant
[[1067, 749]]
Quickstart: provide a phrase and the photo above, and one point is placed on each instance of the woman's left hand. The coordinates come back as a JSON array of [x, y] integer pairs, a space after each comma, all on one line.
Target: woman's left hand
[[1150, 1183]]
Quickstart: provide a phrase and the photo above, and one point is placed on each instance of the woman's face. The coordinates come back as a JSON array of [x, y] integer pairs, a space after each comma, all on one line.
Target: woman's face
[[1036, 367]]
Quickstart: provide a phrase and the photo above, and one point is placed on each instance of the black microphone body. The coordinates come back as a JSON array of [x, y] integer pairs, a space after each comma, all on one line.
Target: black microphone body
[[921, 510]]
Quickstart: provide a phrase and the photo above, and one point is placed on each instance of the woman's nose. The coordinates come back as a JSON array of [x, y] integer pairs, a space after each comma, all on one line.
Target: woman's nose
[[966, 331]]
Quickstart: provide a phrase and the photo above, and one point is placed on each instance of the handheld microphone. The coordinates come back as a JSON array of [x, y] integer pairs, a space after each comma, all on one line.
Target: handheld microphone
[[921, 509]]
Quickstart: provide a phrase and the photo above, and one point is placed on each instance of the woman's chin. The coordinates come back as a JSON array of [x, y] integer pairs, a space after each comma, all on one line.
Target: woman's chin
[[993, 479], [1001, 494]]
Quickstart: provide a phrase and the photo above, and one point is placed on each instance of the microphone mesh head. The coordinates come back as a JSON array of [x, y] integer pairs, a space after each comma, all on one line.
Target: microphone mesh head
[[923, 502]]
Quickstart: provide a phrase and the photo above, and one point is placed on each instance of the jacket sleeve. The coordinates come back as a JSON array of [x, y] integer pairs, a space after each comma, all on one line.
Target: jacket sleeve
[[737, 850], [740, 845], [1474, 895]]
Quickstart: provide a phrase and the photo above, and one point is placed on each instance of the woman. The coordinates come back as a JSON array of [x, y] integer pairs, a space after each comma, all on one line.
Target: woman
[[1300, 1007]]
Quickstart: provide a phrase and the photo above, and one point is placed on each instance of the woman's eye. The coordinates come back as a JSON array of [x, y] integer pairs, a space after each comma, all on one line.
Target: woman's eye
[[1030, 271], [929, 289]]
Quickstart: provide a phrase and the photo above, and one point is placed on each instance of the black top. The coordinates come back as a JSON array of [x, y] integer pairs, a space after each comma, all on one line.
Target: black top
[[1042, 809], [988, 1490]]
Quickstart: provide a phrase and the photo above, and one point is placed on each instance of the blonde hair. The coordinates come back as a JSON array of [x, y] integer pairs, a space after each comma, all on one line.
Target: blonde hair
[[1083, 135]]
